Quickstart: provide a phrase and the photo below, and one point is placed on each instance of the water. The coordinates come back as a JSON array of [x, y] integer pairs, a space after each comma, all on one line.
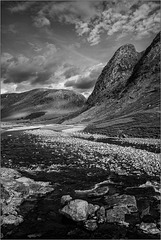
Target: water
[[58, 163], [69, 171]]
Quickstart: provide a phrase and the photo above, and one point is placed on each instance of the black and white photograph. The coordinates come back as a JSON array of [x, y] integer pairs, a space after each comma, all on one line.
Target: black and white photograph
[[80, 119]]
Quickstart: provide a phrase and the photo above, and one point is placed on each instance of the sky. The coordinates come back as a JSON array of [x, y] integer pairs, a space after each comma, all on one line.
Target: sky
[[65, 44]]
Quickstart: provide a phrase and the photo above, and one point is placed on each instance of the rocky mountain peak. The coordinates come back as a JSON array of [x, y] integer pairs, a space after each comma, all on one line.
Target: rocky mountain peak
[[115, 74], [146, 73], [126, 49]]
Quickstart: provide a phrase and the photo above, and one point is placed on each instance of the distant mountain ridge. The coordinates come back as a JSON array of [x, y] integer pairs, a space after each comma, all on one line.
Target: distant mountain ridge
[[40, 102]]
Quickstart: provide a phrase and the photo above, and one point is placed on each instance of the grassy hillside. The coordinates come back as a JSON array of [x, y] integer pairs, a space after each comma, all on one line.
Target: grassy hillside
[[40, 104]]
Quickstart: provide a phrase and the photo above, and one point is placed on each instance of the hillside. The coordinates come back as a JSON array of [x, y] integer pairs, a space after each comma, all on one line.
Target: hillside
[[40, 105], [126, 97], [115, 74]]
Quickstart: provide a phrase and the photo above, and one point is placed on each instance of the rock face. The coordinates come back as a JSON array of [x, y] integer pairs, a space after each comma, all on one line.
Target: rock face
[[77, 210], [115, 74], [147, 69], [129, 71], [15, 190]]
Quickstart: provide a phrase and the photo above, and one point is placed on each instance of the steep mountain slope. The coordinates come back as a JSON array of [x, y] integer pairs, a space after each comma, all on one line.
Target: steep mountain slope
[[114, 75], [126, 96], [42, 104]]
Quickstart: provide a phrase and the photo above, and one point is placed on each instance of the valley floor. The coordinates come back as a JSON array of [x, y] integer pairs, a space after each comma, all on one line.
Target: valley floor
[[72, 163]]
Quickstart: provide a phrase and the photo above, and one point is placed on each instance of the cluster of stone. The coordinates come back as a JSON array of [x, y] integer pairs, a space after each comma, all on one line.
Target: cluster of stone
[[117, 208]]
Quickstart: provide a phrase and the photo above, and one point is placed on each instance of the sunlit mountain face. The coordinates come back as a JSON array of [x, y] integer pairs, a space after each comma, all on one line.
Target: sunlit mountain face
[[65, 45]]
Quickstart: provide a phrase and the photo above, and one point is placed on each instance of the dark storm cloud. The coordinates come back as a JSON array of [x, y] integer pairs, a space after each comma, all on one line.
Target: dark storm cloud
[[86, 81], [19, 75], [41, 78], [22, 69], [82, 83], [71, 71]]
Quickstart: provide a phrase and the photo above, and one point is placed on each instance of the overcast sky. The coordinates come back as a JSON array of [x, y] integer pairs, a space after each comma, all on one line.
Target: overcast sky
[[66, 44]]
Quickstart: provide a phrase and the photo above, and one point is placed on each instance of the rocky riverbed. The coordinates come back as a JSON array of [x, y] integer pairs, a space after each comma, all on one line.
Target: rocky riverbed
[[57, 186]]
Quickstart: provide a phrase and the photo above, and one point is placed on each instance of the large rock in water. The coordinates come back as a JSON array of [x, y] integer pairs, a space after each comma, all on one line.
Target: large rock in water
[[77, 210], [115, 74]]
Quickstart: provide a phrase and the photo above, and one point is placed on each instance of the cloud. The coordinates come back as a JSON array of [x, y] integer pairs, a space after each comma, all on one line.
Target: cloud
[[82, 28], [92, 19], [94, 35], [7, 61], [36, 70], [51, 65], [18, 69], [85, 81], [70, 70], [41, 21], [20, 7], [42, 77], [49, 69], [7, 87], [69, 11], [50, 50], [35, 47], [11, 28]]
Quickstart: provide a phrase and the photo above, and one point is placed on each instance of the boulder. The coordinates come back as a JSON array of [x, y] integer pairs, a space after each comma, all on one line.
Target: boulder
[[149, 228], [65, 199], [121, 200], [117, 214], [77, 210], [91, 225], [15, 190]]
